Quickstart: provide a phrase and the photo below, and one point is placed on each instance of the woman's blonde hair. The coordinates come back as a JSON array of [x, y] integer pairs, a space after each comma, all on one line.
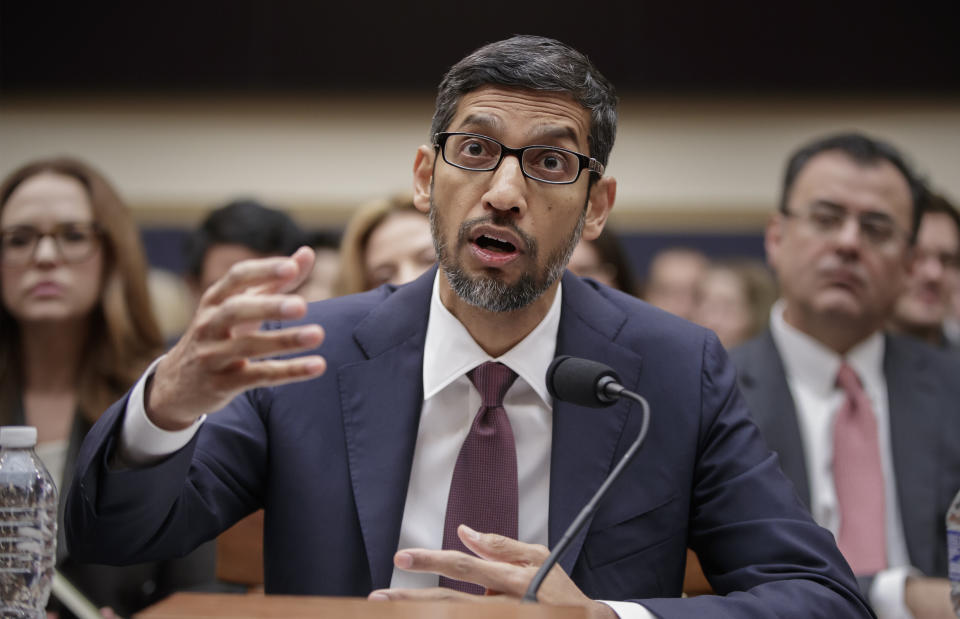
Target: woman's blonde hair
[[123, 334], [353, 271]]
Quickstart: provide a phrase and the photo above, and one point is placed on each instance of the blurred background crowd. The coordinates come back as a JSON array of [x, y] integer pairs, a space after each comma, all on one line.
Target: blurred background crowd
[[179, 139]]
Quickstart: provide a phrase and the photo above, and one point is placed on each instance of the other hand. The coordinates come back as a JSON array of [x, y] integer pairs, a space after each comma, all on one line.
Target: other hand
[[223, 352], [503, 565]]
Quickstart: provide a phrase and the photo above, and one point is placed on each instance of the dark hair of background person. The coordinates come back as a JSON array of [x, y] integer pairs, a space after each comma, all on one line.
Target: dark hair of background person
[[534, 63], [245, 222], [323, 239], [611, 252], [353, 248], [124, 336], [865, 151], [938, 203]]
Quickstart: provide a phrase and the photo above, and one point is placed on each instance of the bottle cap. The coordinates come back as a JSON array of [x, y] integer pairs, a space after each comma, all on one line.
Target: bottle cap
[[18, 436]]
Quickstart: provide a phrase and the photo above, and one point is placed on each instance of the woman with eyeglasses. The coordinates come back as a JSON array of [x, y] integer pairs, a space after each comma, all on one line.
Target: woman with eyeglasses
[[76, 330]]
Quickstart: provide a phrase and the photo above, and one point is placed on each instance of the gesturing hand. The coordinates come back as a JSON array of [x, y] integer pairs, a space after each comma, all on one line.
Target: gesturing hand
[[223, 350], [503, 565]]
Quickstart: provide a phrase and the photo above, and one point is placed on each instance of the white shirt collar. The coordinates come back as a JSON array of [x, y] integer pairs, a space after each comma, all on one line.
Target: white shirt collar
[[807, 361], [450, 351]]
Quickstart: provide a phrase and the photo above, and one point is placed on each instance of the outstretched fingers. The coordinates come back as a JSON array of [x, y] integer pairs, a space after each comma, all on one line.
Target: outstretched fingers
[[262, 276], [494, 576], [500, 548], [218, 355]]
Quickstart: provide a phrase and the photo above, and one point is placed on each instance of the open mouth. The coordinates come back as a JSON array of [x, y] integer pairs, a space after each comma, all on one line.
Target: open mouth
[[495, 244], [495, 247]]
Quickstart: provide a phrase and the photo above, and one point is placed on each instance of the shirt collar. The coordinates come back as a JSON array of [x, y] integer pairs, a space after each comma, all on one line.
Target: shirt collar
[[808, 361], [450, 351]]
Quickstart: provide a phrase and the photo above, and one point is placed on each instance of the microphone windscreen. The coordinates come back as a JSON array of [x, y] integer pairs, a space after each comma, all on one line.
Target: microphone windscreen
[[574, 380]]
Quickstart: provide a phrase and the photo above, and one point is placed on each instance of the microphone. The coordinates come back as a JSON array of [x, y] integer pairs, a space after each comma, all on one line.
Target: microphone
[[587, 383]]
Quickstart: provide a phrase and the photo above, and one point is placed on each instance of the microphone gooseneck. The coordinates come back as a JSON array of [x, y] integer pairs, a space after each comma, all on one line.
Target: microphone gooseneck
[[587, 383]]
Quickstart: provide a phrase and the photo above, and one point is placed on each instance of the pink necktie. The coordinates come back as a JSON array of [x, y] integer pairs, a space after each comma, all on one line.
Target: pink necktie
[[483, 491], [858, 476]]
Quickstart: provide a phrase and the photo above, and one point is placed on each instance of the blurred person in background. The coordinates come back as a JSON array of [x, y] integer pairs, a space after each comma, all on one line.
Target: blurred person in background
[[926, 303], [172, 300], [865, 422], [672, 280], [734, 299], [76, 329], [604, 260], [239, 230], [326, 266], [386, 242]]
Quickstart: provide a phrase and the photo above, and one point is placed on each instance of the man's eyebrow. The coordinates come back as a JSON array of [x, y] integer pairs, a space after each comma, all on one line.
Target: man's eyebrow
[[556, 132], [822, 202], [828, 204], [541, 133], [481, 121]]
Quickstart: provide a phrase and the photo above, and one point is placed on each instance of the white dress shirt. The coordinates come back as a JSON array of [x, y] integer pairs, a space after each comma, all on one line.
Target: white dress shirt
[[450, 402], [811, 369]]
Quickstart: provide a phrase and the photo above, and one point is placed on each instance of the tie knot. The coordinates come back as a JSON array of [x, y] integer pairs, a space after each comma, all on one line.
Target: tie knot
[[848, 380], [492, 379]]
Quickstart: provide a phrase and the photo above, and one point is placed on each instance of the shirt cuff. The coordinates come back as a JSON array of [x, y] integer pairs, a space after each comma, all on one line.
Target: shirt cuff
[[141, 442], [629, 610], [887, 592]]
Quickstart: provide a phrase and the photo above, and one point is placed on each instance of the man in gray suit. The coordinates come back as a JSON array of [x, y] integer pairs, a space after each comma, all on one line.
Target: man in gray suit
[[866, 424]]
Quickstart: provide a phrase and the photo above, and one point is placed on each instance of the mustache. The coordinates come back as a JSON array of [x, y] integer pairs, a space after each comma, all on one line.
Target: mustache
[[496, 219]]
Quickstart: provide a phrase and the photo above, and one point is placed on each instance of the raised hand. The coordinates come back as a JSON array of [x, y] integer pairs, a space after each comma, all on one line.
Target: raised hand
[[223, 351]]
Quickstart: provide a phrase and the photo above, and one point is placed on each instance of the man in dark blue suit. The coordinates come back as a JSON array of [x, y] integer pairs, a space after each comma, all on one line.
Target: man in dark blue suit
[[354, 462]]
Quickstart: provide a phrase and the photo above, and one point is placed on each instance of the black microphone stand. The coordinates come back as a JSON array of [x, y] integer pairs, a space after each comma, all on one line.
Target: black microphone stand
[[613, 390]]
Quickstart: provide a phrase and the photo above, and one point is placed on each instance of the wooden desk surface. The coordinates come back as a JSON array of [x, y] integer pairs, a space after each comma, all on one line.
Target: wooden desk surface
[[258, 606]]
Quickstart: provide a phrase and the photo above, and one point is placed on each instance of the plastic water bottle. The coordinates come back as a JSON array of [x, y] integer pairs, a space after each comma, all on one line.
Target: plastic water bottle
[[953, 552], [28, 525]]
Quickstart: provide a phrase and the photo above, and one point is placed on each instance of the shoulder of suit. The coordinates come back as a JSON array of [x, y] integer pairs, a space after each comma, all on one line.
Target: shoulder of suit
[[945, 360], [751, 351], [642, 326]]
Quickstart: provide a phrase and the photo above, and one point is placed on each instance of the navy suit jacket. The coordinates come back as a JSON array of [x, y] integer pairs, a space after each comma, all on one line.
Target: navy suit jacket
[[330, 460], [923, 388]]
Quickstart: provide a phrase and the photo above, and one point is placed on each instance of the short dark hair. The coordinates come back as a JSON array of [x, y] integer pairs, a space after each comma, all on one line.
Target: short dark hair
[[863, 150], [534, 63], [246, 222], [938, 203]]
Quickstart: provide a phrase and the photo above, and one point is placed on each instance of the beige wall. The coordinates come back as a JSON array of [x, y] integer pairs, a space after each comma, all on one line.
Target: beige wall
[[691, 163]]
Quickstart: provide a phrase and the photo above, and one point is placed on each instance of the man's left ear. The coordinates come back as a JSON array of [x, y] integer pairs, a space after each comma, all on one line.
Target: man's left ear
[[599, 205]]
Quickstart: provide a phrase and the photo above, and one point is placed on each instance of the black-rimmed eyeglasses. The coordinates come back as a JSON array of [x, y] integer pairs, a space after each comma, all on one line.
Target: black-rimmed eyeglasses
[[547, 164], [877, 229], [75, 241]]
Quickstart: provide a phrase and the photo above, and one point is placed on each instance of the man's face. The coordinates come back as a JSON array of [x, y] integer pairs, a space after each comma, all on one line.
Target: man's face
[[503, 239], [218, 260], [673, 280], [926, 301], [832, 270]]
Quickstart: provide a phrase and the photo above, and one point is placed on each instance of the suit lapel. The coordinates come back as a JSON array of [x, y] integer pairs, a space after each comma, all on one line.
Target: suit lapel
[[381, 398], [585, 439], [914, 429], [764, 384]]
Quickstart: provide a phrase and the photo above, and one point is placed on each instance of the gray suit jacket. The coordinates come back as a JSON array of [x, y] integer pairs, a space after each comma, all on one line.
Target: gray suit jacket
[[923, 386]]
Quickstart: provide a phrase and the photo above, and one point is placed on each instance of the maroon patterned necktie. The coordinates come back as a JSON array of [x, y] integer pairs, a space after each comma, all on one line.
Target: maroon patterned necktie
[[483, 491], [858, 476]]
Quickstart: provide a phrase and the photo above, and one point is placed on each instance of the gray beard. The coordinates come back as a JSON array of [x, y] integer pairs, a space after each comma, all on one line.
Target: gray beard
[[489, 293]]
